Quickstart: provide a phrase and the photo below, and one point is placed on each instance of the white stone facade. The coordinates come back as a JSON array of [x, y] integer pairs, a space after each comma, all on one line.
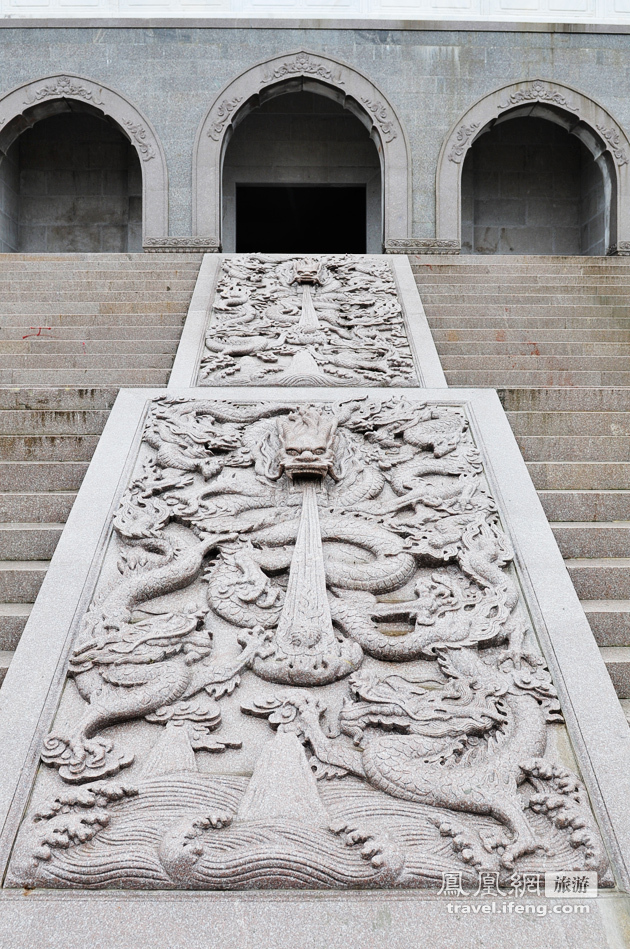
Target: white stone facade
[[509, 11]]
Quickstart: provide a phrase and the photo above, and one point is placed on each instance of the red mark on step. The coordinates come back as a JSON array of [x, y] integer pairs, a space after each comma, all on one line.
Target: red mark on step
[[500, 337], [535, 351], [39, 331]]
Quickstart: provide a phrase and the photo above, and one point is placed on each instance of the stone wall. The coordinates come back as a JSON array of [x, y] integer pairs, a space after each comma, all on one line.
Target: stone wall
[[9, 203], [593, 210], [72, 183], [430, 76]]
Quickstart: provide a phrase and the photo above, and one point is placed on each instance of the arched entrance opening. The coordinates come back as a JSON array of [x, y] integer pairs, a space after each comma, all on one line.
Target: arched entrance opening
[[80, 169], [529, 186], [71, 182], [546, 163], [301, 173], [321, 145]]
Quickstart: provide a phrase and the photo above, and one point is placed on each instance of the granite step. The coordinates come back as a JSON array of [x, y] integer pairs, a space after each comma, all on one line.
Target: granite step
[[101, 333], [84, 377], [101, 362], [46, 448], [578, 476], [13, 617], [105, 297], [5, 661], [29, 541], [583, 448], [493, 298], [580, 539], [62, 399], [593, 506], [609, 620], [516, 279], [36, 506], [105, 283], [565, 399], [526, 363], [533, 263], [43, 313], [41, 476], [519, 378], [55, 422], [617, 659], [600, 578], [545, 350], [87, 347], [563, 424], [514, 334], [89, 262], [578, 424], [20, 580], [526, 318]]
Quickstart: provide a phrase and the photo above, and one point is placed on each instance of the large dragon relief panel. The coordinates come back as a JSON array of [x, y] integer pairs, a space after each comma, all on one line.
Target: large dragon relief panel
[[307, 662], [279, 320]]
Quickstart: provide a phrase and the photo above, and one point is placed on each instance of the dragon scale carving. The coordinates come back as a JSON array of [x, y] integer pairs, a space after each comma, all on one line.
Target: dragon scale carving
[[307, 663]]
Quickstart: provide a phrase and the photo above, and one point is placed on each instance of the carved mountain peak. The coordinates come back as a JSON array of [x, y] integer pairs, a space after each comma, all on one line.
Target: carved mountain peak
[[172, 752], [283, 785], [303, 371]]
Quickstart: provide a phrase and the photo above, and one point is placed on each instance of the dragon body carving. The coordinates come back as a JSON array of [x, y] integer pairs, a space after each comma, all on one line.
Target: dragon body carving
[[339, 572]]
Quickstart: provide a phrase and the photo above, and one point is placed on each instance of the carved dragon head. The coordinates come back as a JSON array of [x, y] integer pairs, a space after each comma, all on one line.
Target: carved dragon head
[[307, 443]]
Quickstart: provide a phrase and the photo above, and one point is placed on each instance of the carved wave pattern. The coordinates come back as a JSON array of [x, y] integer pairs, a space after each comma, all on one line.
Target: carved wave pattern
[[147, 845]]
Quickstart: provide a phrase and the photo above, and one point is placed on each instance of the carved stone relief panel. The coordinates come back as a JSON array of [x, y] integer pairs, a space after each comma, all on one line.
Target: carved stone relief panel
[[306, 321], [307, 663]]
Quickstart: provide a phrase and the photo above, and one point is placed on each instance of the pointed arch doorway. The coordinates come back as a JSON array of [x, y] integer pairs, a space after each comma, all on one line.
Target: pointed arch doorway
[[320, 133]]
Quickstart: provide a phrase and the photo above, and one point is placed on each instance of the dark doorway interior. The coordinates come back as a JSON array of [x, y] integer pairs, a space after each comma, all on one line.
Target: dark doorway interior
[[290, 219]]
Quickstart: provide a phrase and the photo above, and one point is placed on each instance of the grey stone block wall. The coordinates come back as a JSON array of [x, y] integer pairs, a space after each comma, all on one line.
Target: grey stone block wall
[[593, 210], [72, 184], [529, 187], [9, 204]]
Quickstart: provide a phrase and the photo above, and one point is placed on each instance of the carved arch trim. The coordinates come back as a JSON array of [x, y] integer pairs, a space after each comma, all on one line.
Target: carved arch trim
[[311, 72], [539, 98], [33, 101]]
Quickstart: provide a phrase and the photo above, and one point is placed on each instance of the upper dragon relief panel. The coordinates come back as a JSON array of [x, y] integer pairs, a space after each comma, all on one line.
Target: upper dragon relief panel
[[307, 663], [315, 321]]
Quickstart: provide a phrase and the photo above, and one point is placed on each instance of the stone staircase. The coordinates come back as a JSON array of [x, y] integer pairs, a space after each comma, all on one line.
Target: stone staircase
[[552, 335], [73, 329]]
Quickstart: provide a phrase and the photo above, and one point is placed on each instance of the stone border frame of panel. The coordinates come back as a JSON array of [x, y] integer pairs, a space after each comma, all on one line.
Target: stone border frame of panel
[[151, 920], [190, 350]]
